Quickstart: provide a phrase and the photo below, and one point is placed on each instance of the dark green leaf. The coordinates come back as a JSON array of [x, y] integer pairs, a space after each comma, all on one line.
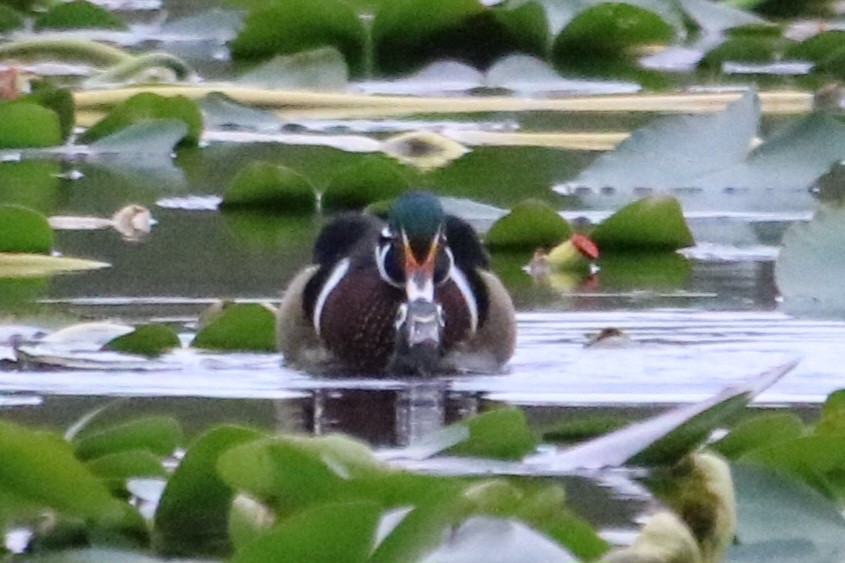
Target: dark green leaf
[[147, 340], [819, 47], [24, 230], [753, 49], [27, 125], [530, 224], [193, 513], [266, 186], [159, 434], [759, 431], [292, 26], [78, 14], [239, 326], [654, 223], [329, 533], [9, 19], [407, 34], [375, 178], [833, 414], [41, 468], [114, 469], [501, 433], [144, 107], [60, 100], [609, 31]]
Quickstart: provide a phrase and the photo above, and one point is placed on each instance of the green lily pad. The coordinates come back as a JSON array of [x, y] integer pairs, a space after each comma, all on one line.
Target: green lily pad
[[374, 178], [653, 223], [154, 138], [407, 34], [24, 230], [114, 469], [159, 435], [530, 224], [193, 513], [500, 433], [833, 414], [325, 534], [147, 340], [292, 26], [751, 49], [9, 19], [609, 31], [60, 100], [819, 47], [27, 125], [40, 468], [148, 106], [249, 327], [810, 265], [266, 186], [33, 184], [78, 14], [317, 70], [759, 431]]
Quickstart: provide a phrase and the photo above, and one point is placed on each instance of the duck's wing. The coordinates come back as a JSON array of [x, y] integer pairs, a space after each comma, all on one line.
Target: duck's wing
[[347, 234]]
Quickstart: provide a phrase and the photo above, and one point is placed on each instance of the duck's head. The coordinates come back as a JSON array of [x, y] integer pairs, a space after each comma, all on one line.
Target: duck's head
[[415, 258]]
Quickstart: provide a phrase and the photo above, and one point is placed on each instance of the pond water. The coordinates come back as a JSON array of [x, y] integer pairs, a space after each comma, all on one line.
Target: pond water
[[708, 321]]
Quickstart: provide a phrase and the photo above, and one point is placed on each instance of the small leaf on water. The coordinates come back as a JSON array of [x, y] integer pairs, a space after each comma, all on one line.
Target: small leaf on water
[[60, 100], [609, 31], [300, 25], [759, 431], [28, 125], [193, 513], [501, 433], [159, 435], [116, 468], [833, 414], [269, 187], [78, 14], [373, 179], [324, 534], [248, 327], [148, 106], [530, 224], [653, 223], [147, 340], [24, 230]]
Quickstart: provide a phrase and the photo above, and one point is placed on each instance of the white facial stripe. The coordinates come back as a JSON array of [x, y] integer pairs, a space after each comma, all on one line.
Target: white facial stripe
[[334, 278], [463, 285], [381, 257]]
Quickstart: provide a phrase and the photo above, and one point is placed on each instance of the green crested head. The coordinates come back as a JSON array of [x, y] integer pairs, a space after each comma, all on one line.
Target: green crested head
[[419, 215]]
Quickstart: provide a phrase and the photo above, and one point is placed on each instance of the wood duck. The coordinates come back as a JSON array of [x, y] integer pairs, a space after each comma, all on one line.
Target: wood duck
[[410, 296]]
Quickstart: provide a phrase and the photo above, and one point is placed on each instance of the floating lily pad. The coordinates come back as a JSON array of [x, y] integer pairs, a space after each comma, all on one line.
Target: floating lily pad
[[500, 433], [116, 468], [300, 25], [810, 266], [9, 19], [407, 34], [266, 186], [60, 100], [375, 178], [751, 49], [27, 124], [147, 340], [193, 513], [654, 223], [819, 47], [239, 326], [148, 106], [833, 414], [609, 31], [325, 534], [40, 468], [156, 138], [759, 431], [222, 112], [78, 14], [530, 224], [24, 230], [317, 70], [158, 434]]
